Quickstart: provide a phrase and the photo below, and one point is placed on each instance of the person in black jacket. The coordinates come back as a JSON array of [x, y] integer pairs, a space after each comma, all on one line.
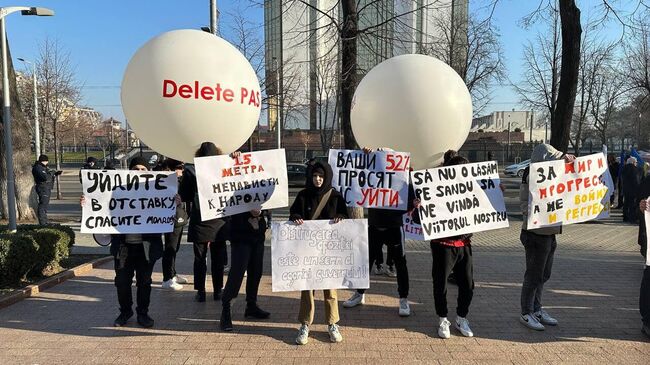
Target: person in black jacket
[[247, 236], [319, 187], [91, 164], [644, 293], [630, 179], [44, 182], [203, 234]]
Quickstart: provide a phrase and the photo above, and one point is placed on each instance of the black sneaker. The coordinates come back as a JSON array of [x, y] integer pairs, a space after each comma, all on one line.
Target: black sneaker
[[121, 320], [225, 323], [200, 296], [253, 311], [217, 295], [145, 321]]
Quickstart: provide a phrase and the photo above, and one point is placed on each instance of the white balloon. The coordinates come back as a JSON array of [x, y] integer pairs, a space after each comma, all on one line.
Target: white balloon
[[185, 87], [412, 103]]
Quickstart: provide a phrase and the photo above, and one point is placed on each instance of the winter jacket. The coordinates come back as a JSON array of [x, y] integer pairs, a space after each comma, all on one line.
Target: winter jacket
[[630, 179], [307, 200], [43, 177], [198, 231], [389, 218], [644, 193], [246, 228], [87, 167], [151, 241], [542, 152]]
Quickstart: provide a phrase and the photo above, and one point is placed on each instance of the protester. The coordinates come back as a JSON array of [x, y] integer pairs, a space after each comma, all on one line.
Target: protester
[[135, 253], [385, 226], [318, 201], [44, 182], [203, 234], [247, 255], [540, 247], [644, 294], [91, 164], [630, 178], [613, 166], [171, 280], [453, 253]]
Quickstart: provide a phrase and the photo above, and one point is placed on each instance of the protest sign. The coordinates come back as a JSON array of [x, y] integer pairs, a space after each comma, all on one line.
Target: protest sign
[[128, 201], [566, 193], [460, 199], [371, 180], [254, 180], [412, 230], [320, 255]]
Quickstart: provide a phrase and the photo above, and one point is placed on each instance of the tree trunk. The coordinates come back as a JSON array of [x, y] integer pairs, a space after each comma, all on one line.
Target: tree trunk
[[57, 159], [22, 156], [571, 38]]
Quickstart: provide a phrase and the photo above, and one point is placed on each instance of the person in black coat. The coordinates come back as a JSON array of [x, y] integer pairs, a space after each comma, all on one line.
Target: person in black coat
[[204, 235], [44, 182], [304, 208], [613, 167], [644, 295], [630, 179], [91, 164], [247, 236]]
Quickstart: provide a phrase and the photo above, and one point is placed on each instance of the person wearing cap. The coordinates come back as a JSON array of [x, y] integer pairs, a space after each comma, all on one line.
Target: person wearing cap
[[44, 182], [91, 164]]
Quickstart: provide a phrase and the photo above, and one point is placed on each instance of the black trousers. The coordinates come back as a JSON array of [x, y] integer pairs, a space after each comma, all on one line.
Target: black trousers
[[134, 261], [245, 255], [172, 245], [217, 261], [630, 207], [393, 238], [459, 260], [540, 251], [43, 203], [644, 297]]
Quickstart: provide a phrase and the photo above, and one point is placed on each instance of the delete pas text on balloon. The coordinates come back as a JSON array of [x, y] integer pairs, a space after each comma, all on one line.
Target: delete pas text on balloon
[[171, 89]]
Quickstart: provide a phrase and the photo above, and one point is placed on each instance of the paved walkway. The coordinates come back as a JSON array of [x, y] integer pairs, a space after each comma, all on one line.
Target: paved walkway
[[593, 293]]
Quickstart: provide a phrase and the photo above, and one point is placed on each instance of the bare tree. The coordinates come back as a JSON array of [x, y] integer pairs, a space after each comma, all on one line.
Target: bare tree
[[636, 61], [608, 88], [59, 92]]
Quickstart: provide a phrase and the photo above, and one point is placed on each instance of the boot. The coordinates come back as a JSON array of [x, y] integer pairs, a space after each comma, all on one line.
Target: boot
[[144, 320], [253, 311], [226, 321]]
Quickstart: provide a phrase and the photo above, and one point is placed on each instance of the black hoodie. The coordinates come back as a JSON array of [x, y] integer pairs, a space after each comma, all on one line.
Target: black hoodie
[[308, 198], [198, 230]]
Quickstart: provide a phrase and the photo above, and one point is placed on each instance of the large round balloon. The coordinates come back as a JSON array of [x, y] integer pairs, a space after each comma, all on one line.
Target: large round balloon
[[185, 87], [412, 103]]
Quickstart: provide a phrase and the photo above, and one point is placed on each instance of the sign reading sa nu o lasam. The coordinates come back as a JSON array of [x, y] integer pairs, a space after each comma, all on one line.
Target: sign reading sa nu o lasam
[[566, 193]]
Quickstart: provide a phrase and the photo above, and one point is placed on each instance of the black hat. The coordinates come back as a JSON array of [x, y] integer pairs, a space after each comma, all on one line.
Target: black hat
[[43, 158], [137, 161], [91, 159]]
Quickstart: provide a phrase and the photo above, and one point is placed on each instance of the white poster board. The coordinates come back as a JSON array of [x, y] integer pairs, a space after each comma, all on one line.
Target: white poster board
[[320, 254], [412, 230], [371, 180], [460, 199], [128, 201], [254, 180], [567, 193]]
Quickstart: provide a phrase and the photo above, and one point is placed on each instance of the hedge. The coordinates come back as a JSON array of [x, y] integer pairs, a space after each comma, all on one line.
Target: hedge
[[32, 250]]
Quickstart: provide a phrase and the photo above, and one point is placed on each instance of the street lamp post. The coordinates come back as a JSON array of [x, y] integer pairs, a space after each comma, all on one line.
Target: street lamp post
[[6, 109], [37, 128]]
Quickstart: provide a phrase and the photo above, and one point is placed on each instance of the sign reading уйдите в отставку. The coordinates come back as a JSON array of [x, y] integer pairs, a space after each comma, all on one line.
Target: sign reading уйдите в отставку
[[254, 180], [128, 201], [371, 180], [320, 254], [566, 193], [460, 199]]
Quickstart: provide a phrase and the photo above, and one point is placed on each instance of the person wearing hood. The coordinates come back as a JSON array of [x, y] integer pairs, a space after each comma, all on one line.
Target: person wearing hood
[[91, 164], [644, 293], [203, 234], [539, 245], [135, 254], [318, 201], [44, 182], [630, 179]]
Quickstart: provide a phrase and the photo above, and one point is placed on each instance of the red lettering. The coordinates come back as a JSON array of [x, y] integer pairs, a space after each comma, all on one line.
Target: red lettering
[[167, 83], [228, 95], [244, 94], [600, 163], [218, 92], [207, 93], [252, 100], [196, 89], [394, 199], [542, 193], [226, 172], [569, 168], [185, 91]]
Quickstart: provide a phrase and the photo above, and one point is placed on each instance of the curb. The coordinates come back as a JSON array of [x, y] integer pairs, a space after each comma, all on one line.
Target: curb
[[31, 290]]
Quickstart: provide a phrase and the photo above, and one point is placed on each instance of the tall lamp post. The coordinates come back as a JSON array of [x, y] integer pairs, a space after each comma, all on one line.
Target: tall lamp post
[[37, 129], [6, 109]]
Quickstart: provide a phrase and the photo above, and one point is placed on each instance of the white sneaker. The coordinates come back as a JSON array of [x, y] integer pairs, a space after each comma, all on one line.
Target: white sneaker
[[462, 324], [356, 299], [378, 270], [404, 308], [335, 334], [544, 318], [171, 285], [443, 328], [531, 322], [181, 280], [303, 335], [390, 271]]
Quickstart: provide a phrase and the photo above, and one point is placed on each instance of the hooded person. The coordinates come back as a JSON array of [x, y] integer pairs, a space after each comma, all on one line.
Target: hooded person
[[318, 201], [539, 245], [91, 164]]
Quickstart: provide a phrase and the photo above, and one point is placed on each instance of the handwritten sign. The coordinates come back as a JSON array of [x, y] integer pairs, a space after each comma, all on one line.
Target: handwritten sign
[[228, 186], [372, 180], [128, 201], [460, 199], [567, 193], [412, 230], [320, 255]]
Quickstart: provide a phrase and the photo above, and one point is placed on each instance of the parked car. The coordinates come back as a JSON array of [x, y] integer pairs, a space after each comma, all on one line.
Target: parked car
[[517, 169], [296, 173]]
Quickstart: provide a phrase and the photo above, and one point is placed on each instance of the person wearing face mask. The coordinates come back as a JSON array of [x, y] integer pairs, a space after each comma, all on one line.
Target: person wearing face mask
[[318, 201]]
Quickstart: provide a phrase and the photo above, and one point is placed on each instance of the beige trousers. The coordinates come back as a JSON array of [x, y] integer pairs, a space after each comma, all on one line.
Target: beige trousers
[[306, 315]]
